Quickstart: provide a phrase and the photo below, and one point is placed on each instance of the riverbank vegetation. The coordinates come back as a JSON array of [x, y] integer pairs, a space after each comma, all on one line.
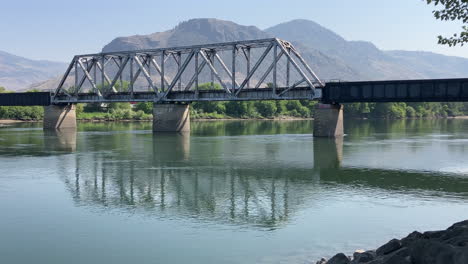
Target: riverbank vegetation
[[405, 110], [245, 110]]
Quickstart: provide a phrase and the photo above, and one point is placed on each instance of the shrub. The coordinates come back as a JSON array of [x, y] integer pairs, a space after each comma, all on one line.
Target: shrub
[[146, 107], [266, 108]]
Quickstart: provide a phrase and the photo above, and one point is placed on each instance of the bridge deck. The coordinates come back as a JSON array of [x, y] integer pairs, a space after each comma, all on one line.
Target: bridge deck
[[435, 90], [299, 93], [25, 99]]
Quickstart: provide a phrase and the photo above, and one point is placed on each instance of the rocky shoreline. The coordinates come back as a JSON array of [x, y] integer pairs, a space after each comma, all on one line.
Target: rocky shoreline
[[448, 246]]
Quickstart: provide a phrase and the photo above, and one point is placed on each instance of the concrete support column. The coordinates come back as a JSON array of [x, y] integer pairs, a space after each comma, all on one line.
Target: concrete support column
[[328, 120], [171, 118], [59, 116]]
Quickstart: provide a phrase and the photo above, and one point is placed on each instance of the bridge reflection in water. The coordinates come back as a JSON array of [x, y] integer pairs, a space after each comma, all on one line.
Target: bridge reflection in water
[[183, 176], [160, 186]]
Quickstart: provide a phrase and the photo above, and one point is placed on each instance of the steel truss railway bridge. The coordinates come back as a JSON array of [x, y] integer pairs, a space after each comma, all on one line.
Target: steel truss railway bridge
[[172, 78]]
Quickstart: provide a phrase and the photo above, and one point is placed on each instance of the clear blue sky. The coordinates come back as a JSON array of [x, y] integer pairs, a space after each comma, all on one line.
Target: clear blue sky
[[58, 29]]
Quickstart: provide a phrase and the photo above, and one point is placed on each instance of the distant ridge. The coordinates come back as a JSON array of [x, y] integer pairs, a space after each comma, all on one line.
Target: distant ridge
[[329, 54], [18, 73]]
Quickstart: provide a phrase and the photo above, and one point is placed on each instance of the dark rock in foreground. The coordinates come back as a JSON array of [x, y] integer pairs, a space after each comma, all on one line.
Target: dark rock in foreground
[[433, 247]]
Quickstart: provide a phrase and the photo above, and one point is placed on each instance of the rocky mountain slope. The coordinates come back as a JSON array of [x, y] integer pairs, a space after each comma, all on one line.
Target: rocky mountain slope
[[194, 31], [17, 73]]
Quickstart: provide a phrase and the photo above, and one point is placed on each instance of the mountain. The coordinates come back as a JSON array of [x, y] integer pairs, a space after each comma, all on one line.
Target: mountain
[[18, 73], [194, 31], [432, 64], [364, 57], [209, 30]]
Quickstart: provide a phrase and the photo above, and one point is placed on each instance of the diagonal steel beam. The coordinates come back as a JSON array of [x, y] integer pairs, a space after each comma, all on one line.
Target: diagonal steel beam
[[179, 74], [195, 75], [64, 78], [311, 72], [146, 74], [260, 60], [272, 65], [160, 70], [293, 62], [292, 86], [137, 73], [78, 84], [226, 69], [106, 77], [213, 70], [90, 79], [116, 61], [119, 72]]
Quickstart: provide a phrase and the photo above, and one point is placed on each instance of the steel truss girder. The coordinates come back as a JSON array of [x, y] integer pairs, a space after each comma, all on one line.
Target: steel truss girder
[[233, 77]]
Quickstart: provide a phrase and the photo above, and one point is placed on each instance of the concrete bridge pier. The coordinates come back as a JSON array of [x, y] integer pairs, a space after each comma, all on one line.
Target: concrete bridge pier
[[328, 120], [171, 118], [59, 116]]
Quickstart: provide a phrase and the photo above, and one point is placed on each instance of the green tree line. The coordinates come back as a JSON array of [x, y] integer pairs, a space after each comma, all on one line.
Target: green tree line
[[406, 110]]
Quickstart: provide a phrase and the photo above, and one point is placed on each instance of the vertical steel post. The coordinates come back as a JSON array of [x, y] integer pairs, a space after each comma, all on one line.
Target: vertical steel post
[[120, 75], [248, 66], [131, 76], [211, 58], [233, 68], [76, 76], [148, 59], [196, 74], [179, 62], [275, 54], [103, 60], [94, 69], [162, 72], [288, 65]]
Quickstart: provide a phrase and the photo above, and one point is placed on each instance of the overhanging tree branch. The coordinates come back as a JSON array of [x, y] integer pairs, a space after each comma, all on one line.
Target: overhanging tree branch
[[452, 10]]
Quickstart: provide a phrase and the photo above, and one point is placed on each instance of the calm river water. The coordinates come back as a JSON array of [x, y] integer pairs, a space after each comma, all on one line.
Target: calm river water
[[228, 192]]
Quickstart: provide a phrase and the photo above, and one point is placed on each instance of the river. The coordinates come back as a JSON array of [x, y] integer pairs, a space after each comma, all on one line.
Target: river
[[228, 192]]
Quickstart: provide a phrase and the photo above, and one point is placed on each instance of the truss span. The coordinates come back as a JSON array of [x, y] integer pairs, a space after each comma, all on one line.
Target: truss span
[[266, 69]]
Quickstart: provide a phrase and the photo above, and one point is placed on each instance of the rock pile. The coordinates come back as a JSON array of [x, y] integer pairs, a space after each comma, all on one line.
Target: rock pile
[[433, 247]]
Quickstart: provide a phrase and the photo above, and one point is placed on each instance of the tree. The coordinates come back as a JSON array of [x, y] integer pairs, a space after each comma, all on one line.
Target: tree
[[208, 86], [146, 107], [452, 10], [266, 108]]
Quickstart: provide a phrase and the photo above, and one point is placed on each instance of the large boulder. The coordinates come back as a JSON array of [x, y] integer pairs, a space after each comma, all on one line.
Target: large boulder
[[448, 246], [391, 246], [339, 258]]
